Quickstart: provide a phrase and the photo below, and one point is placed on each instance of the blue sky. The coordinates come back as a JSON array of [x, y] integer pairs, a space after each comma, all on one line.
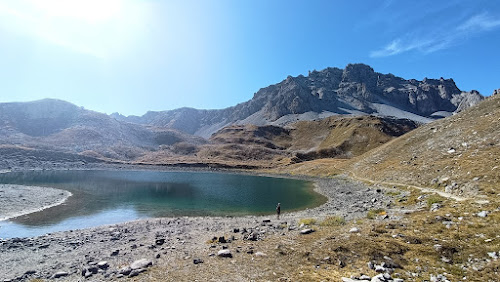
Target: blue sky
[[134, 56]]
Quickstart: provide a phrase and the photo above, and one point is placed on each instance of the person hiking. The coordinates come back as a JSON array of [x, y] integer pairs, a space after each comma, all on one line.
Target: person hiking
[[278, 210]]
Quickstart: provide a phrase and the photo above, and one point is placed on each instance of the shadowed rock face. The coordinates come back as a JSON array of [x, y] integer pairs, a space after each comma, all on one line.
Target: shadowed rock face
[[357, 89]]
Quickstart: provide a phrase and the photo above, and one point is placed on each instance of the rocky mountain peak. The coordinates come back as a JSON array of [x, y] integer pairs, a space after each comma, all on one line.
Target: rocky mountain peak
[[355, 90]]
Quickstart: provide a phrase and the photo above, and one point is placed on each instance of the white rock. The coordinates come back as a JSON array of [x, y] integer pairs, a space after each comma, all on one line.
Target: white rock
[[306, 231], [260, 254], [225, 253], [142, 263], [482, 214], [354, 230]]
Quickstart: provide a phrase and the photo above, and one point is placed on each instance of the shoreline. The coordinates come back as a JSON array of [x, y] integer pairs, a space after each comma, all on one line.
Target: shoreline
[[38, 196], [123, 243]]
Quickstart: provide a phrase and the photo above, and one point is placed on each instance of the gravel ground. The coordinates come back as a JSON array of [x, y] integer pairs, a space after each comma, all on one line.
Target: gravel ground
[[74, 253], [17, 200]]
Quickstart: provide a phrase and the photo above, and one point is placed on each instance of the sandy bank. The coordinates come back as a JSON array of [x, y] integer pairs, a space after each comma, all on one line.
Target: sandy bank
[[18, 200]]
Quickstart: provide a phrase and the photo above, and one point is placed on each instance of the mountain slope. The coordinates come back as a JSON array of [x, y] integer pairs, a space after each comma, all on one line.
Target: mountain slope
[[459, 154], [58, 125], [356, 90]]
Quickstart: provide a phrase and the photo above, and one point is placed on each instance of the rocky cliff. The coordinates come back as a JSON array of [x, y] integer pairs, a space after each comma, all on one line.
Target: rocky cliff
[[355, 90]]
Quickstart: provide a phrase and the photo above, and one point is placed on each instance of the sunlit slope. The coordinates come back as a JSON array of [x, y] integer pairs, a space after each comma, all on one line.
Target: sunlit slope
[[459, 154]]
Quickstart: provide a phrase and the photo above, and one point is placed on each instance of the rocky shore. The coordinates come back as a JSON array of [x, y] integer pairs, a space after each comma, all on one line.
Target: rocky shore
[[128, 249]]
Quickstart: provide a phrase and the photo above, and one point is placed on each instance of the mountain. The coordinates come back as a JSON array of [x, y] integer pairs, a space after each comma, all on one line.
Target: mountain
[[61, 126], [355, 90]]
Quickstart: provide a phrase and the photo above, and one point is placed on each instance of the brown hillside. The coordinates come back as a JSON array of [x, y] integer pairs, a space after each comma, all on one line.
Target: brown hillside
[[345, 137], [459, 154], [333, 137]]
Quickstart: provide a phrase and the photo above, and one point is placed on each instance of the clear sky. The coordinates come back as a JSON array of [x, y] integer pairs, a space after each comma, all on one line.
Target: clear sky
[[133, 56]]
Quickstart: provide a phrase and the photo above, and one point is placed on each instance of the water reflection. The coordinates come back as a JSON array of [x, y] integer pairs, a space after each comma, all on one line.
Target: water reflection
[[101, 197]]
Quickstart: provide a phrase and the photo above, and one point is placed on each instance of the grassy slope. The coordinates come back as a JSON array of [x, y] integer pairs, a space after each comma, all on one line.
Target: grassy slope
[[462, 149]]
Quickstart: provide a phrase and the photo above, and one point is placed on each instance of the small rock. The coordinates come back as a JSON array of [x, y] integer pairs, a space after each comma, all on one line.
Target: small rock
[[197, 261], [103, 264], [136, 272], [354, 230], [266, 220], [493, 255], [92, 269], [222, 239], [435, 207], [125, 271], [160, 241], [260, 254], [380, 269], [60, 274], [306, 231], [115, 253], [225, 253], [482, 214], [142, 263]]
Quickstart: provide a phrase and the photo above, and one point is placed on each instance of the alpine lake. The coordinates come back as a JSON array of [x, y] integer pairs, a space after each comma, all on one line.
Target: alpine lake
[[114, 196]]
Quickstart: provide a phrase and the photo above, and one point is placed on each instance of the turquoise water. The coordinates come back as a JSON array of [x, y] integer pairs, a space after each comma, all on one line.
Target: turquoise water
[[107, 197]]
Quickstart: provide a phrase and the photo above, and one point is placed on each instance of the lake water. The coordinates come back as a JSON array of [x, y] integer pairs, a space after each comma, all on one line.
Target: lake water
[[107, 197]]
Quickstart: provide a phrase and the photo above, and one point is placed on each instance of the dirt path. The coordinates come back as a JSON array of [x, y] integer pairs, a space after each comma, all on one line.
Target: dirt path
[[423, 189]]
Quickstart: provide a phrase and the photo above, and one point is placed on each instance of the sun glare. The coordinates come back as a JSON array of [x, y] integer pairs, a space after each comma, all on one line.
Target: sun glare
[[91, 11], [102, 29]]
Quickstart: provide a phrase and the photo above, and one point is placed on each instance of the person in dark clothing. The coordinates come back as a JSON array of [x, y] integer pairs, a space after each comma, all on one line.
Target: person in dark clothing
[[278, 210]]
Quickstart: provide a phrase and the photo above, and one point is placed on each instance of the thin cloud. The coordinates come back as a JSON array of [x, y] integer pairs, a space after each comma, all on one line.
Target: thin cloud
[[479, 23], [439, 40]]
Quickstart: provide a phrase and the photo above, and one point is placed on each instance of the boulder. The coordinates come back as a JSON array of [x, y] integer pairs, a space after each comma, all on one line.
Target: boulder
[[142, 263]]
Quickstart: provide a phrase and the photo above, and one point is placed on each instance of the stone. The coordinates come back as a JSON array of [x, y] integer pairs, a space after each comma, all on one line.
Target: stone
[[225, 253], [197, 261], [160, 241], [103, 264], [493, 255], [435, 207], [141, 263], [482, 214], [260, 254], [125, 270], [60, 274], [266, 220], [136, 272], [222, 239], [379, 278], [115, 253], [93, 269], [380, 269], [354, 230], [306, 231]]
